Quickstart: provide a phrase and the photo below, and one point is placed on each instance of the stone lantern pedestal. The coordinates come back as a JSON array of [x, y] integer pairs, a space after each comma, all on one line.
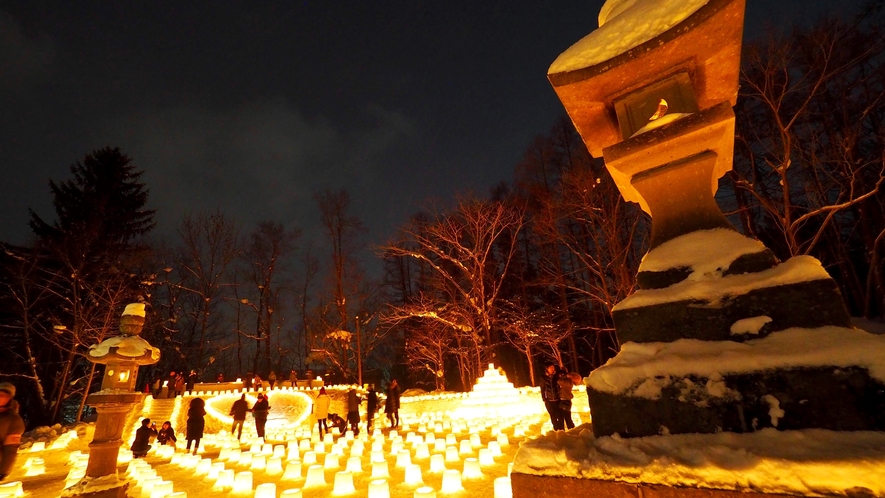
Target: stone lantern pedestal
[[121, 355]]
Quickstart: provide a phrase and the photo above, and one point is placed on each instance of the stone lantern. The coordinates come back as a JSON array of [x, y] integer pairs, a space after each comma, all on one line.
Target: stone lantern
[[121, 355], [651, 91]]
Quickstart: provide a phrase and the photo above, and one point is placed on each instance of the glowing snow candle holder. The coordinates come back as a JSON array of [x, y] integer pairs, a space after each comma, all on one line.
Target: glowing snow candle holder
[[147, 486], [503, 441], [357, 448], [471, 469], [403, 459], [437, 464], [243, 483], [393, 434], [293, 470], [421, 451], [319, 448], [161, 489], [331, 461], [225, 480], [316, 476], [291, 493], [451, 440], [255, 448], [245, 459], [266, 490], [37, 468], [203, 467], [475, 441], [215, 470], [378, 488], [439, 445], [267, 449], [413, 475], [377, 456], [343, 484], [292, 452], [38, 446], [429, 438], [425, 492], [259, 462], [309, 458], [380, 470], [279, 451], [495, 448], [328, 439], [503, 488], [485, 457], [234, 455], [304, 445], [354, 464], [452, 455], [396, 446], [465, 447], [13, 488], [274, 466], [378, 445], [451, 482]]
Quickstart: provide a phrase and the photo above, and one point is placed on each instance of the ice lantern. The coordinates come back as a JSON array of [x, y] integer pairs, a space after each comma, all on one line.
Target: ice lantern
[[659, 112]]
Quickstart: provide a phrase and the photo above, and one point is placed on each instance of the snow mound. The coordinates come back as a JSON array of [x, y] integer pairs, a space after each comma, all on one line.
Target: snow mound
[[704, 285], [707, 252], [790, 348], [812, 462]]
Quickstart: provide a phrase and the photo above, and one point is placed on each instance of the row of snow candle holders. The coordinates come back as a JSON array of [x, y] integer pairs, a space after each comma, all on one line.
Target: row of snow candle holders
[[267, 458]]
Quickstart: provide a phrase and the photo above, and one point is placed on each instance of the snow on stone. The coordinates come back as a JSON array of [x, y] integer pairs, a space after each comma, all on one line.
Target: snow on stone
[[707, 252], [812, 462], [795, 270], [749, 326], [774, 409], [657, 123], [136, 309], [131, 346], [624, 25], [790, 348]]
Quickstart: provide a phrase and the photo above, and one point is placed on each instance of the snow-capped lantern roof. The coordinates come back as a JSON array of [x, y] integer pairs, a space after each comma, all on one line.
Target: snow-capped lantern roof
[[127, 347], [641, 43]]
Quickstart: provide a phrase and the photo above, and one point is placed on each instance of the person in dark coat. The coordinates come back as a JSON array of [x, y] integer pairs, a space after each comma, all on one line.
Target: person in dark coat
[[247, 381], [195, 423], [293, 377], [166, 434], [371, 407], [142, 443], [337, 422], [550, 396], [11, 428], [353, 411], [170, 385], [259, 413], [191, 380], [391, 405], [271, 379], [179, 384], [238, 412]]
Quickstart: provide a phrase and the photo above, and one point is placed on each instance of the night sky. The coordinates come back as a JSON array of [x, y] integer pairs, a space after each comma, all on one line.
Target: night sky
[[251, 107]]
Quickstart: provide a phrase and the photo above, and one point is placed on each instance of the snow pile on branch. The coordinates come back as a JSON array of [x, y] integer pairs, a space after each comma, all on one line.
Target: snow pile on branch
[[624, 25], [710, 290], [707, 252], [811, 462], [790, 348]]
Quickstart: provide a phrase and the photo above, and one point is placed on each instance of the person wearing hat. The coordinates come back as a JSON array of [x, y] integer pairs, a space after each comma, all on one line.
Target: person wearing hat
[[11, 428]]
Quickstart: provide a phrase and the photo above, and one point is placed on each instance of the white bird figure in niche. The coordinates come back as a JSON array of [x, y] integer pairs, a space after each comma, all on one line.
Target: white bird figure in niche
[[660, 111]]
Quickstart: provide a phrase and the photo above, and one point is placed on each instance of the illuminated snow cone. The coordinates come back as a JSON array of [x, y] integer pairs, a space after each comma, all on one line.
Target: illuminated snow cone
[[378, 488], [503, 488], [451, 482], [343, 483], [266, 490], [316, 477], [425, 492], [242, 483]]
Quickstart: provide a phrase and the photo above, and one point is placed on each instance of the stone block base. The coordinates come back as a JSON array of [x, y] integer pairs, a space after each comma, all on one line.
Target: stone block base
[[839, 399], [531, 486]]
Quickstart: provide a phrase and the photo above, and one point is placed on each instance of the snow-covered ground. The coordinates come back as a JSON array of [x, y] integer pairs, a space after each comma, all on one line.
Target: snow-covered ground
[[488, 430]]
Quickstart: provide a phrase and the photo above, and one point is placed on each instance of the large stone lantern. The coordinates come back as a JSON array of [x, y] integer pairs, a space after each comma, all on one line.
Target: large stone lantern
[[121, 355], [651, 91]]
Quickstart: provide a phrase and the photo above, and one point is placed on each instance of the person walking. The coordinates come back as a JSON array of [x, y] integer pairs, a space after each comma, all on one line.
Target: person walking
[[142, 443], [170, 385], [247, 381], [11, 428], [191, 380], [256, 382], [391, 405], [371, 407], [293, 377], [353, 411], [158, 386], [259, 413], [321, 410], [196, 422], [550, 395], [271, 379], [238, 412], [166, 434]]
